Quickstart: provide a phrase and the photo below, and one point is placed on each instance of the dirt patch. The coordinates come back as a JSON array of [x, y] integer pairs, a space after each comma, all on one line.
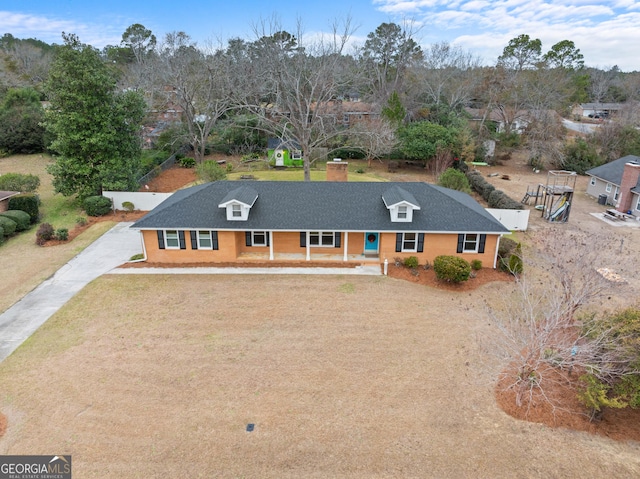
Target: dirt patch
[[171, 179], [560, 407], [3, 424], [427, 277]]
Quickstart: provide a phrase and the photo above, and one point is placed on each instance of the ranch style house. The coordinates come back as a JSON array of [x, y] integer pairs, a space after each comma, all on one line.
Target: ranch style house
[[253, 222]]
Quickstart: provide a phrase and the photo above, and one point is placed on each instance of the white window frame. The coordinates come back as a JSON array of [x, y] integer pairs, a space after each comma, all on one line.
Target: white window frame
[[616, 195], [170, 236], [403, 212], [320, 237], [407, 241], [203, 237], [608, 188], [296, 154], [257, 233], [468, 242], [236, 210], [593, 181]]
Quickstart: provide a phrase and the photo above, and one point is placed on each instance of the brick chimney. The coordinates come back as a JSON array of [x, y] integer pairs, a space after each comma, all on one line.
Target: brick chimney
[[630, 176], [337, 170]]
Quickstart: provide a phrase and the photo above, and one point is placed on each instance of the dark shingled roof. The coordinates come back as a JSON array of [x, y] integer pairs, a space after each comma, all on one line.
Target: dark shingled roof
[[395, 195], [243, 194], [612, 172], [321, 206]]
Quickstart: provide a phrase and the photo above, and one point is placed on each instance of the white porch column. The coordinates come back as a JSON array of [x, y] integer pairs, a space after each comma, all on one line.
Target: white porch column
[[308, 247], [346, 245], [271, 245]]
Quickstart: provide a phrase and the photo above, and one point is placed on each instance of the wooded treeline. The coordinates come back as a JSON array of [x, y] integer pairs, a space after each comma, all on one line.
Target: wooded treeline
[[438, 102]]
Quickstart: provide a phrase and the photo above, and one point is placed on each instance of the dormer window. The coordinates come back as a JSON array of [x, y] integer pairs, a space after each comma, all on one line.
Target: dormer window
[[401, 204], [238, 203]]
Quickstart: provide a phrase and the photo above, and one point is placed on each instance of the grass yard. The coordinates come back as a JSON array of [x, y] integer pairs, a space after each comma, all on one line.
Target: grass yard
[[342, 376], [23, 264]]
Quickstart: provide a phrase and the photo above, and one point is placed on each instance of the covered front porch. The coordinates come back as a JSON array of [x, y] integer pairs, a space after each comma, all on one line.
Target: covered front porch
[[316, 257]]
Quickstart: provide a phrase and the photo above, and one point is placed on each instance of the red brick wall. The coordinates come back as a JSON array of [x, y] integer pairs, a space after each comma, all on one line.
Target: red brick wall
[[629, 180]]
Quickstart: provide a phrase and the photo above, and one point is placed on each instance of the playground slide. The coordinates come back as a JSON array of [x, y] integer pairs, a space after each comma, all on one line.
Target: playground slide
[[561, 209]]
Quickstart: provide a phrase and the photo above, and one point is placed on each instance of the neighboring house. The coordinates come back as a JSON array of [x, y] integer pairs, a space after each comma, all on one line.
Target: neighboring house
[[262, 221], [508, 120], [284, 153], [619, 181], [4, 199], [595, 109]]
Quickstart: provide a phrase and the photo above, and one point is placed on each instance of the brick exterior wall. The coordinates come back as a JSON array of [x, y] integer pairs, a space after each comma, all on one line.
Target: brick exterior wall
[[337, 171], [630, 177]]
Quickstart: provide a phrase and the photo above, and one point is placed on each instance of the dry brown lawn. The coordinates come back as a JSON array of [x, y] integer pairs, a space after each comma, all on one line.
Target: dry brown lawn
[[159, 376], [343, 376]]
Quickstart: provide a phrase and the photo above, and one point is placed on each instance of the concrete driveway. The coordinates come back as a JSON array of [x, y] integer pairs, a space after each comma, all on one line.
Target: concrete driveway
[[109, 251]]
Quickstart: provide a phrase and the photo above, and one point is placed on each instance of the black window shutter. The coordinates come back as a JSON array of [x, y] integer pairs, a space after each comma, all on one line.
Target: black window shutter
[[183, 245], [247, 238], [267, 235], [337, 239], [483, 240], [398, 242], [420, 242], [160, 239], [214, 240], [194, 239], [303, 239], [460, 243]]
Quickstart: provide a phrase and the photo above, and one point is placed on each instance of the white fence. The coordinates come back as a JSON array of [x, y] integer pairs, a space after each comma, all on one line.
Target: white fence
[[514, 220], [142, 201]]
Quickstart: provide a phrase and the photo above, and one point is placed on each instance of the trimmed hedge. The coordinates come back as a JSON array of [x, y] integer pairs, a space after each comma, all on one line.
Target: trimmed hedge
[[97, 205], [8, 225], [1, 235], [494, 198], [451, 268], [22, 219], [27, 202]]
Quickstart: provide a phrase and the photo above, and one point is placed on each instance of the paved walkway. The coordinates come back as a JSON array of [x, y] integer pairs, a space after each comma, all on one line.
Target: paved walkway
[[104, 256]]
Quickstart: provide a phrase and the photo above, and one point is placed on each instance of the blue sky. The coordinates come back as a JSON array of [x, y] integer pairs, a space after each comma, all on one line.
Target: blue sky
[[606, 31]]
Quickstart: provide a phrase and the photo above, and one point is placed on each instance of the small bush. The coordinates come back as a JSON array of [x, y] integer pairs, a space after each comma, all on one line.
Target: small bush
[[97, 205], [411, 262], [22, 219], [451, 268], [229, 167], [128, 206], [137, 257], [476, 265], [210, 171], [8, 225], [81, 221], [19, 182], [516, 265], [455, 180], [187, 162], [62, 234], [27, 202], [507, 245], [45, 233], [360, 170], [1, 235]]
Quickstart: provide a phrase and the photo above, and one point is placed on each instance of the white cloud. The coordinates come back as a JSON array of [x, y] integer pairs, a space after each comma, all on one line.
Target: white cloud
[[605, 30]]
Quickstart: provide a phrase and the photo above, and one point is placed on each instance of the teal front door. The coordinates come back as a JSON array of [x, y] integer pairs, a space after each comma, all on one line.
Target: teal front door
[[371, 243]]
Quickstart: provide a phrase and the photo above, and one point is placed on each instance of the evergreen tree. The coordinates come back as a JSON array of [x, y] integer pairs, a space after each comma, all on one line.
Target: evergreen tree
[[96, 129]]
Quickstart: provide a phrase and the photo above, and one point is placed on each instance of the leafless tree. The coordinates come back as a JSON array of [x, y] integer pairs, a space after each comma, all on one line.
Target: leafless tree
[[375, 137], [538, 336], [203, 84], [449, 75], [297, 86]]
